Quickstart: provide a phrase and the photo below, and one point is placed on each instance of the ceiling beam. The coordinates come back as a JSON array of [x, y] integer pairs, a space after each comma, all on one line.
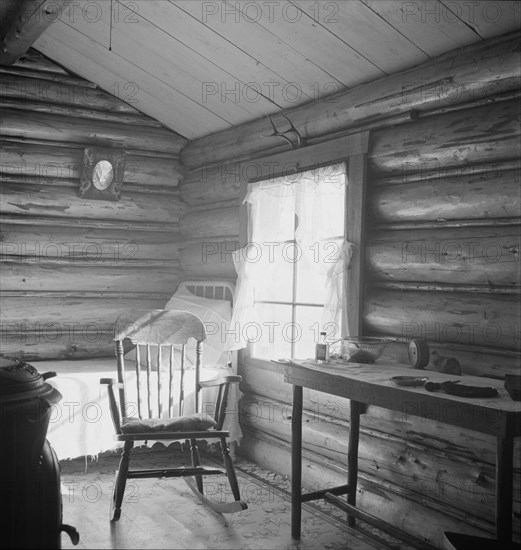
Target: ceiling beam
[[28, 22]]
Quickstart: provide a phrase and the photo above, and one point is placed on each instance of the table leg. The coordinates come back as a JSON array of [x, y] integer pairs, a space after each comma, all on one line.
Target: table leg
[[296, 462], [352, 456], [504, 493]]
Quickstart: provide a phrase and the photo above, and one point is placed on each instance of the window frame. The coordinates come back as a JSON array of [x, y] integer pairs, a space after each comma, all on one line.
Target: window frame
[[352, 150], [293, 302]]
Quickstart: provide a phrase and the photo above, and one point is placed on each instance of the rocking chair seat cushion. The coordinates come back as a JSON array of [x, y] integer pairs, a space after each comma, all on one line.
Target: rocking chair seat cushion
[[194, 423]]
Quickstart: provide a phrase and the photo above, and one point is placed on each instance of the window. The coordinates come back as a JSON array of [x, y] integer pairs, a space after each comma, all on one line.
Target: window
[[292, 267]]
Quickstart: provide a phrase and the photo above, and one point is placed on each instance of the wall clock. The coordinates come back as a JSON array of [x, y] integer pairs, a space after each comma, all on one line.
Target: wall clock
[[102, 174], [418, 352]]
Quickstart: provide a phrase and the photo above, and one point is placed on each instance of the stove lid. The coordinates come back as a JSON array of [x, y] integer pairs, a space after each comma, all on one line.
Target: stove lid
[[19, 380]]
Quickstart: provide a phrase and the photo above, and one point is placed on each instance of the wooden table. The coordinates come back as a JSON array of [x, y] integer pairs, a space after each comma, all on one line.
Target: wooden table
[[370, 384]]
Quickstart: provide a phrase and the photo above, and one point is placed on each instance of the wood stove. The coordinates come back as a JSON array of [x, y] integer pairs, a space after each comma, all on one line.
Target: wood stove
[[30, 492]]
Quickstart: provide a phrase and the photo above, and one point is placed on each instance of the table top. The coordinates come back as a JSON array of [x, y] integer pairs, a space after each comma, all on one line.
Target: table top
[[372, 384]]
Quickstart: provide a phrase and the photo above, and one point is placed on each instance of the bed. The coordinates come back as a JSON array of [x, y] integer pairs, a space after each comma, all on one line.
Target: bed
[[80, 424]]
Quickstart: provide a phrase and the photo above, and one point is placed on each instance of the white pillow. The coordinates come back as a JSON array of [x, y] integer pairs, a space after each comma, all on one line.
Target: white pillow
[[216, 316]]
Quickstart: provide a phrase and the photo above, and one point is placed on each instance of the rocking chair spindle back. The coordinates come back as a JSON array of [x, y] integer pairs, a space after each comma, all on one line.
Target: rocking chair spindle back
[[167, 331]]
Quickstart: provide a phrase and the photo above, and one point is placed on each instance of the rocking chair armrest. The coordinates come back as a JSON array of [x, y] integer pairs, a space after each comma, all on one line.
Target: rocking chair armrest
[[113, 404], [110, 382], [228, 379]]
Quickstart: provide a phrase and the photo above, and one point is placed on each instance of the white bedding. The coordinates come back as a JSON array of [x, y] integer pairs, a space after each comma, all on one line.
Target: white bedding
[[216, 316]]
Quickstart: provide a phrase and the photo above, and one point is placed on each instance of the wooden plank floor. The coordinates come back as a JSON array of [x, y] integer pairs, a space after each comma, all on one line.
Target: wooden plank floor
[[166, 514]]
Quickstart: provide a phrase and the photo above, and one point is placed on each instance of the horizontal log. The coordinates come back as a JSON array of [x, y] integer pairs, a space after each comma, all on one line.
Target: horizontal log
[[452, 173], [209, 259], [55, 312], [486, 134], [94, 276], [47, 87], [88, 224], [472, 197], [213, 183], [498, 290], [78, 112], [164, 192], [474, 361], [217, 222], [128, 150], [513, 94], [27, 73], [33, 59], [47, 162], [216, 205], [467, 319], [73, 343], [482, 256], [466, 74], [443, 287], [78, 294], [51, 202], [71, 244], [99, 133]]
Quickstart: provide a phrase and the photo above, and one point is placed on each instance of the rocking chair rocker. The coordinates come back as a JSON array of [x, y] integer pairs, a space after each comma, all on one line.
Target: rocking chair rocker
[[154, 401]]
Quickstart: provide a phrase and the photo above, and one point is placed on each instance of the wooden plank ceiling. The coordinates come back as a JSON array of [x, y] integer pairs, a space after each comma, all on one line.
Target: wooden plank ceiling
[[203, 66]]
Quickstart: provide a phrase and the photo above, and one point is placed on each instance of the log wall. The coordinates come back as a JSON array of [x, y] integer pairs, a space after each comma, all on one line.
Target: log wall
[[442, 262], [70, 265]]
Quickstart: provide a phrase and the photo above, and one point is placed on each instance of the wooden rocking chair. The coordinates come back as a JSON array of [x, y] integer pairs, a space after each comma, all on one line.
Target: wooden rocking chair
[[166, 332]]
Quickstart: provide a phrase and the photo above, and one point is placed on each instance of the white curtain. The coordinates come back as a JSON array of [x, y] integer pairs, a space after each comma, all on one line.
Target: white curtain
[[308, 210]]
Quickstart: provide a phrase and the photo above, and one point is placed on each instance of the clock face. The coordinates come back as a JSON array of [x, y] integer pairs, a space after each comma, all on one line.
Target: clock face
[[418, 353], [413, 352], [102, 175]]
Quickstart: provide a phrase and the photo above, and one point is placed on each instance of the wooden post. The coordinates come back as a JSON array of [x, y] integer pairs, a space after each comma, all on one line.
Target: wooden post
[[31, 19], [504, 493], [121, 377], [296, 462], [355, 222], [352, 457]]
